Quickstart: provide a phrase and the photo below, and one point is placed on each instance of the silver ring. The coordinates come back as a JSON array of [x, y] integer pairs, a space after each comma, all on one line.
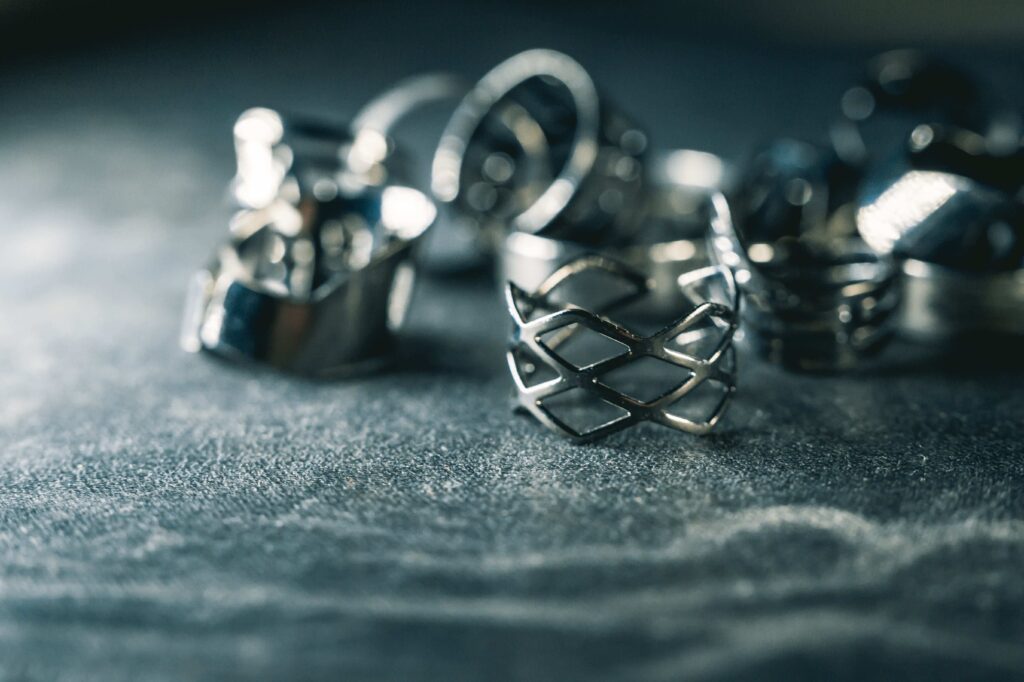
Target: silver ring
[[579, 168], [317, 293], [941, 303], [817, 298], [681, 203], [317, 274], [959, 240], [585, 391]]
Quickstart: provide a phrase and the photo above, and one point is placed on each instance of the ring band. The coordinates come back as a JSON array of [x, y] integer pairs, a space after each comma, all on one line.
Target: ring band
[[317, 274], [811, 316], [940, 303], [817, 298], [544, 325], [582, 165], [682, 200], [324, 302]]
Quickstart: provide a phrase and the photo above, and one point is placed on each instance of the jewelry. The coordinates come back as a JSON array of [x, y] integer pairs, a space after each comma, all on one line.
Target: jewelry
[[317, 274], [954, 219], [533, 148], [682, 200], [589, 391], [817, 296], [907, 87]]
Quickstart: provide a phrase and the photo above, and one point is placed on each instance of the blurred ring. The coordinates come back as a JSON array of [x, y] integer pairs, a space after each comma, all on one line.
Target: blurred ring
[[592, 195], [941, 303], [682, 199], [261, 300], [811, 316], [316, 275]]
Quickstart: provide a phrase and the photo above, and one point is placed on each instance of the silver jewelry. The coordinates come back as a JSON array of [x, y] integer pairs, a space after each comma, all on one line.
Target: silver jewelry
[[681, 199], [817, 297], [954, 219], [533, 148], [317, 288], [317, 273], [572, 394]]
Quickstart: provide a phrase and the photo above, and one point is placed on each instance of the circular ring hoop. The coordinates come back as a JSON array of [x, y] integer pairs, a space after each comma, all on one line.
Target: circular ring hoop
[[584, 166]]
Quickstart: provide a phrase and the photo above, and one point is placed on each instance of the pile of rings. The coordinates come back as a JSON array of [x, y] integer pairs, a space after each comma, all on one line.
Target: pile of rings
[[628, 272]]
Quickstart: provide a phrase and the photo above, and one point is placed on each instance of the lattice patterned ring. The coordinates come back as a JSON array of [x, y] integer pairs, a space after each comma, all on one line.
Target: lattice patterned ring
[[696, 347]]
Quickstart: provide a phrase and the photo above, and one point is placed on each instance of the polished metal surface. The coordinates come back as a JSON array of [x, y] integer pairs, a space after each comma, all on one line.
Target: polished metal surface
[[944, 304], [384, 112], [534, 148], [817, 297], [322, 302], [692, 353], [953, 218], [317, 272], [672, 241]]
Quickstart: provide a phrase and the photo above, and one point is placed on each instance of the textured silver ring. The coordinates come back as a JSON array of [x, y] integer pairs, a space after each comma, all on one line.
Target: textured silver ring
[[593, 395], [818, 317]]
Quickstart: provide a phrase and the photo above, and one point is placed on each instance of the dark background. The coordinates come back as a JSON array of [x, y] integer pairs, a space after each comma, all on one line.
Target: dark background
[[167, 517]]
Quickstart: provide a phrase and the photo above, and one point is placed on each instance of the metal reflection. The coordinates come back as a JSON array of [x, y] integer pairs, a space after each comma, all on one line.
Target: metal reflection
[[952, 214], [817, 297], [317, 274], [534, 148]]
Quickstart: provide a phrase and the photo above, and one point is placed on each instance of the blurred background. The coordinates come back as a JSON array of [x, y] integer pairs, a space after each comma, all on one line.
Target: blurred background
[[679, 66]]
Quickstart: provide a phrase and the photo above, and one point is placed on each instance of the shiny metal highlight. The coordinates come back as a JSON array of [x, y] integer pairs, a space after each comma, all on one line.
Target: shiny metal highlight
[[952, 215], [317, 274]]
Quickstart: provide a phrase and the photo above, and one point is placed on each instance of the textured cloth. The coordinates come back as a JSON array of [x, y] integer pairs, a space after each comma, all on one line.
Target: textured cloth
[[168, 517]]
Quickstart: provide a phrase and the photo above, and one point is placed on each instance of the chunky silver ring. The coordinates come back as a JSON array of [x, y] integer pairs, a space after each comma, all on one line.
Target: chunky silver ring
[[587, 390], [315, 289], [682, 199], [959, 240], [317, 273], [817, 298], [533, 148]]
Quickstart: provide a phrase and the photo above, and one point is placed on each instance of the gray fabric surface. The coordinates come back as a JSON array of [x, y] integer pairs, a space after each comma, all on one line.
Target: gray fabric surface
[[168, 517]]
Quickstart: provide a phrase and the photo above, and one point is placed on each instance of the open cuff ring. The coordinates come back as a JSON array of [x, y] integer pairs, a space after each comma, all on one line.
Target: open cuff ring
[[585, 375]]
